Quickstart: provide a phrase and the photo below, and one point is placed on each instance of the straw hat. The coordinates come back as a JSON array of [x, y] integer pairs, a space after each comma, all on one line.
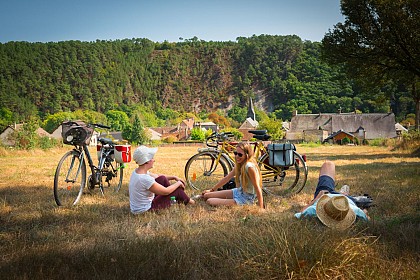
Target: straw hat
[[143, 154], [335, 212]]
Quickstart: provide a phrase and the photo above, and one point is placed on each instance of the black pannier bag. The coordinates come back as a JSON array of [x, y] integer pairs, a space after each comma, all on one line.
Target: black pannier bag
[[281, 154], [76, 133], [229, 185]]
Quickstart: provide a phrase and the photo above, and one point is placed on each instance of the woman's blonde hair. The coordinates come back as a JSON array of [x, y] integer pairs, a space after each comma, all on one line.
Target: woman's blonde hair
[[240, 172]]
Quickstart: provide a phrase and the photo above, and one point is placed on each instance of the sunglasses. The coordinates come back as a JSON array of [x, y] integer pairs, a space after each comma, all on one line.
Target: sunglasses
[[237, 154]]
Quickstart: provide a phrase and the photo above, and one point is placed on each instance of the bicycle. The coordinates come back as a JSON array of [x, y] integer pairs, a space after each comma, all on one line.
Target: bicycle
[[70, 175], [204, 169]]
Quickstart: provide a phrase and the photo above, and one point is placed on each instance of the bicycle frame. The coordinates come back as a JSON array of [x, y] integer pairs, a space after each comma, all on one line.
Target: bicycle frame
[[259, 151], [71, 176], [71, 168], [219, 152]]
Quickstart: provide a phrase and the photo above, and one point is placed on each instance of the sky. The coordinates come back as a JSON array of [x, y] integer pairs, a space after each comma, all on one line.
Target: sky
[[164, 20]]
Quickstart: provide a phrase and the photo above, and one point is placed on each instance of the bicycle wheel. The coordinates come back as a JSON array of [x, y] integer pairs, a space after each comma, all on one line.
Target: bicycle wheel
[[203, 170], [69, 179], [112, 174], [283, 181]]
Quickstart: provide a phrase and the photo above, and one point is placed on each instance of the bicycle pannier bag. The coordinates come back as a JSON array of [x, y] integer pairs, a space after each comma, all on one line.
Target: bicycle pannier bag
[[281, 154], [76, 133], [122, 153]]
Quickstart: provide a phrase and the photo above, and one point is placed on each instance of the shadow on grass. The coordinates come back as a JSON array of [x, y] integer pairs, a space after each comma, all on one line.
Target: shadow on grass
[[100, 239], [353, 157]]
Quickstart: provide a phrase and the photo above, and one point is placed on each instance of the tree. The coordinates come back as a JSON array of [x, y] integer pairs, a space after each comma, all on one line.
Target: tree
[[238, 113], [378, 44], [135, 134], [6, 118], [55, 120], [218, 119], [117, 120]]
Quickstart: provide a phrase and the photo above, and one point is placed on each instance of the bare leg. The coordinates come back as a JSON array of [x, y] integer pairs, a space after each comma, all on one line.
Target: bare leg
[[221, 202], [220, 198], [328, 168], [225, 194]]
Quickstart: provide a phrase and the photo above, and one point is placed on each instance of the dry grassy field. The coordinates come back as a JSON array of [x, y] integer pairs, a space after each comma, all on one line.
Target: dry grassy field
[[100, 239]]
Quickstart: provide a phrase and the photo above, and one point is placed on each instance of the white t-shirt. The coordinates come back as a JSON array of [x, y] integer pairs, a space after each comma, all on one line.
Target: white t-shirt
[[138, 189]]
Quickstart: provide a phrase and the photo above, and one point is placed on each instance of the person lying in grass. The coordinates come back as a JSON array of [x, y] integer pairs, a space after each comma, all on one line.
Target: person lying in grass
[[148, 191], [248, 180], [334, 209]]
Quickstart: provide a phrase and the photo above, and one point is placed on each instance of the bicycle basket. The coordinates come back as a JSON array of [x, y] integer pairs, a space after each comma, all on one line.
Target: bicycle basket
[[76, 133]]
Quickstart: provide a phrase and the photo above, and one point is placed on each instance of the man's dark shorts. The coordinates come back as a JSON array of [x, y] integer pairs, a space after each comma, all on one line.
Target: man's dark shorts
[[326, 183]]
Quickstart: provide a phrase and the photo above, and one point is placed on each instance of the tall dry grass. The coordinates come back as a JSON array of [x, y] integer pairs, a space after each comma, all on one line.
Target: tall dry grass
[[100, 239]]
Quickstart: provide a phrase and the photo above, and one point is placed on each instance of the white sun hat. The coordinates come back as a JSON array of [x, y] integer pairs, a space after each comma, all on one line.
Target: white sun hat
[[143, 154]]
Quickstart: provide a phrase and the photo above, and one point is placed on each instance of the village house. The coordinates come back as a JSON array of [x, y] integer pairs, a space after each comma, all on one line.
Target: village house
[[165, 132], [183, 130], [337, 137], [154, 135], [310, 127], [247, 125], [6, 134], [207, 125], [400, 129], [250, 122]]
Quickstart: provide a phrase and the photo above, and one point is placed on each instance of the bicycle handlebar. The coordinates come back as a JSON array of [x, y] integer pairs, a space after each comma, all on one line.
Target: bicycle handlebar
[[214, 138], [100, 125]]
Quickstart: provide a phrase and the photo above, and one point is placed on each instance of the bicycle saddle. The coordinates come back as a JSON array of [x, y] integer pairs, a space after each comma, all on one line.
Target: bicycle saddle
[[258, 132], [264, 137], [106, 141]]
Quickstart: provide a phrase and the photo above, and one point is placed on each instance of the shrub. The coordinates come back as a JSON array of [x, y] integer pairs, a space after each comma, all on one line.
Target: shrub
[[170, 139], [198, 134], [47, 143], [346, 141]]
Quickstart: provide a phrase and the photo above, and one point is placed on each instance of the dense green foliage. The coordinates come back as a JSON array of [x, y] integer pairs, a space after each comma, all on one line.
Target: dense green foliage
[[378, 44], [163, 81]]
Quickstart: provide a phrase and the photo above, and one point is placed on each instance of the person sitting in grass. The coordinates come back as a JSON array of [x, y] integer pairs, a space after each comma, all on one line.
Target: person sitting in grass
[[334, 209], [148, 191], [248, 181]]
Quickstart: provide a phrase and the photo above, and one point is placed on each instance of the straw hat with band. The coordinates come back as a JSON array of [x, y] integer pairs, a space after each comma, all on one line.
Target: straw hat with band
[[143, 154], [335, 212]]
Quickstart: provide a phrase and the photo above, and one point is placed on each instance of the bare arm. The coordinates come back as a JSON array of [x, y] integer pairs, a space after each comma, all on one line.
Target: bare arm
[[366, 212], [159, 189], [169, 177], [222, 182], [253, 176], [175, 178], [321, 193]]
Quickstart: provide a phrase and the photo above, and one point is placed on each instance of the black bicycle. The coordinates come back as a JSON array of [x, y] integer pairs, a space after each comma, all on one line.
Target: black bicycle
[[70, 175]]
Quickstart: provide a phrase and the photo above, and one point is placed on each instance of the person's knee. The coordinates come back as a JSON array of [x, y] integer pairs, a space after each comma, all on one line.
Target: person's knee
[[163, 181], [328, 168], [206, 196], [329, 164], [211, 201]]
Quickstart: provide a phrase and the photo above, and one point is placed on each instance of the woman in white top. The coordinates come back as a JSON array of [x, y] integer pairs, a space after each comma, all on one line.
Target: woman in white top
[[149, 191], [248, 181]]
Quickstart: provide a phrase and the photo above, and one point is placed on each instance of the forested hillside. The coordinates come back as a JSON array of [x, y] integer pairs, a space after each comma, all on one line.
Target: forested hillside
[[281, 73]]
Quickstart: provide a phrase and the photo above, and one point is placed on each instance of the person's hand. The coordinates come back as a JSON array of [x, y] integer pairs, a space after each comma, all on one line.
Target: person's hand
[[206, 191], [179, 179], [181, 184], [366, 212]]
